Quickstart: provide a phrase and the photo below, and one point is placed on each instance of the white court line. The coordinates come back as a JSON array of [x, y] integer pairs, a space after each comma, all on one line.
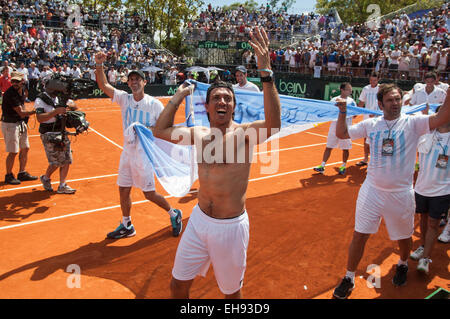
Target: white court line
[[327, 137], [2, 138], [111, 175], [68, 181], [289, 148], [167, 196], [95, 131]]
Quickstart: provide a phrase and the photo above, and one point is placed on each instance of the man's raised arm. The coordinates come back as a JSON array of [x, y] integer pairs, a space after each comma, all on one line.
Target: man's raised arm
[[443, 116], [164, 128], [341, 125], [102, 82], [272, 106]]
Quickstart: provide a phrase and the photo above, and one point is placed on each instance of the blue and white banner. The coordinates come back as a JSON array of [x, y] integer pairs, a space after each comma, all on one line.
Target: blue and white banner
[[297, 114], [175, 166]]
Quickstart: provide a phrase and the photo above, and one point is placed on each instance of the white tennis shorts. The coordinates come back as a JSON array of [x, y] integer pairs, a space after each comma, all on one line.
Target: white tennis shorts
[[133, 176], [396, 208], [222, 242], [334, 142]]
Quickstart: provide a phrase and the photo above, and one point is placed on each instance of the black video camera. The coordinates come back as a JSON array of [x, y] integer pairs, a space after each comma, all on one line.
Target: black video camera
[[65, 88]]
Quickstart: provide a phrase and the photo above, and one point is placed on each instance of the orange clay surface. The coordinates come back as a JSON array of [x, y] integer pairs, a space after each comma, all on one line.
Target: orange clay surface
[[301, 225]]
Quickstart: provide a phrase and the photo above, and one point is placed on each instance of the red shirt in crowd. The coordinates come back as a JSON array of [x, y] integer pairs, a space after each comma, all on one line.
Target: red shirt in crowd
[[5, 83]]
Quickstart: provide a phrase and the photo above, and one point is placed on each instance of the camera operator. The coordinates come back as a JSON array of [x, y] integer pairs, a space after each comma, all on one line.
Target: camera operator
[[15, 130], [56, 143]]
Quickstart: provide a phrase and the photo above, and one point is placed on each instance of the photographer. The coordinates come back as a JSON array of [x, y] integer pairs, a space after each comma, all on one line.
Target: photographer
[[56, 143], [15, 130]]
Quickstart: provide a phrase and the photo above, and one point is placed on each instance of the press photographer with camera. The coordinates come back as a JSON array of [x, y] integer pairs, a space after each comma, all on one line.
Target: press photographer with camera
[[51, 114], [15, 129]]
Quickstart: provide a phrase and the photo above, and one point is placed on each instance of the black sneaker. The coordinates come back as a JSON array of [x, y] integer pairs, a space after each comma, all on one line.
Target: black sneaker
[[121, 232], [400, 275], [10, 179], [344, 289], [25, 176]]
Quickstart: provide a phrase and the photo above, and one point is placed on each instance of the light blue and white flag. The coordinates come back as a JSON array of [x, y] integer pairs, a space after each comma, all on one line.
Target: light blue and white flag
[[175, 166], [297, 114]]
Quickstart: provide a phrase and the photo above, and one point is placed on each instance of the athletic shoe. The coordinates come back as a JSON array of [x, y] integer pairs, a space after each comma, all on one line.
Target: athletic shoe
[[443, 222], [25, 176], [401, 273], [320, 169], [177, 223], [417, 254], [65, 189], [361, 163], [445, 236], [417, 167], [424, 265], [46, 183], [342, 170], [344, 289], [121, 232], [11, 180]]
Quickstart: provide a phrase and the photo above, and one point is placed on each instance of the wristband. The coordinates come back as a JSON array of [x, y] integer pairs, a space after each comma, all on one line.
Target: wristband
[[266, 70], [98, 64], [343, 112]]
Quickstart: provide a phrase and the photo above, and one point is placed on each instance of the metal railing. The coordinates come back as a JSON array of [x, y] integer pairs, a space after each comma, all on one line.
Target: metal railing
[[275, 36]]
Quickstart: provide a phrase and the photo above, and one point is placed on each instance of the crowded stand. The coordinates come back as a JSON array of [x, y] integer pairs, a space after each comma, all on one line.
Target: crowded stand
[[33, 37]]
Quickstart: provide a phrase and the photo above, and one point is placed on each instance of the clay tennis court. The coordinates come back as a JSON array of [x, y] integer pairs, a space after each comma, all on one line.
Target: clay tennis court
[[301, 225]]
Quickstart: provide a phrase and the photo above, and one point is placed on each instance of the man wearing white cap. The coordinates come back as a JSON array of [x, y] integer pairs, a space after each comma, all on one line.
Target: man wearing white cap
[[242, 83], [143, 108]]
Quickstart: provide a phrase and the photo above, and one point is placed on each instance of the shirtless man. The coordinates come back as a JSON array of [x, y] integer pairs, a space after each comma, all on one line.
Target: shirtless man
[[218, 228]]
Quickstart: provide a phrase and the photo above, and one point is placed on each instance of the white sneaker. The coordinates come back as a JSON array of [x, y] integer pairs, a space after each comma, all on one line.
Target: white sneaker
[[445, 236], [417, 254], [424, 265]]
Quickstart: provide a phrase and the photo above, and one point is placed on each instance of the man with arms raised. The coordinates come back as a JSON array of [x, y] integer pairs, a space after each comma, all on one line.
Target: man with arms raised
[[387, 192], [145, 109], [218, 228]]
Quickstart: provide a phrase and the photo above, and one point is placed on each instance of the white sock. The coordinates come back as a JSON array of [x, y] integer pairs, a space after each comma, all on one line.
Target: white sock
[[323, 164], [172, 213], [126, 221], [401, 262], [351, 275]]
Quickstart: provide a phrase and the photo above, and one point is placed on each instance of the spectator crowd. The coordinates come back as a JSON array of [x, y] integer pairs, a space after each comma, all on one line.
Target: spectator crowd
[[35, 38]]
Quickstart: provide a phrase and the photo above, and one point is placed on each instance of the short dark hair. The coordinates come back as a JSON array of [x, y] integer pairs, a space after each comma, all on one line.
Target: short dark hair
[[375, 75], [343, 85], [430, 75], [385, 89], [220, 84]]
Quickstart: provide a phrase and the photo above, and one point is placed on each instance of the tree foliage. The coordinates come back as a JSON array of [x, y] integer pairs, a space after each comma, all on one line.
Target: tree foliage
[[355, 11], [250, 5], [165, 17]]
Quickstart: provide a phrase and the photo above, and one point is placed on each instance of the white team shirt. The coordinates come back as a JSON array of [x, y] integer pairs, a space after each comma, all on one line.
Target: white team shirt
[[392, 173], [369, 97], [433, 181], [146, 111], [435, 97], [248, 86]]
